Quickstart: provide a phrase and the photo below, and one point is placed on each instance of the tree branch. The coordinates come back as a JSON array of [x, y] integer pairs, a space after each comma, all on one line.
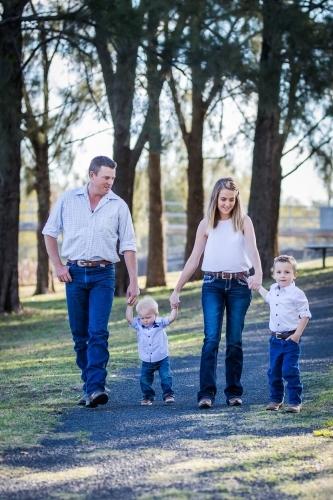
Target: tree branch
[[314, 150], [180, 116]]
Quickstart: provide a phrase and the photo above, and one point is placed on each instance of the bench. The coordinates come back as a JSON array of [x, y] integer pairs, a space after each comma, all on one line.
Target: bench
[[320, 246]]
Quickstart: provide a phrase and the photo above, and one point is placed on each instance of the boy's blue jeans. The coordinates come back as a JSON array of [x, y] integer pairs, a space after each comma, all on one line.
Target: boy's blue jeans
[[234, 297], [89, 301], [284, 357], [147, 378]]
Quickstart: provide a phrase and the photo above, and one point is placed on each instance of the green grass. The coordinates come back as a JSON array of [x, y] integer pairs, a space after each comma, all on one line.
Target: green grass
[[39, 377]]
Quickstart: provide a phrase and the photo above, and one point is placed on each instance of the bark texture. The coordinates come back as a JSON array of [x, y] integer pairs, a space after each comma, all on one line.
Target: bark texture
[[10, 139], [193, 135], [156, 72], [156, 264], [38, 132], [119, 81], [268, 142]]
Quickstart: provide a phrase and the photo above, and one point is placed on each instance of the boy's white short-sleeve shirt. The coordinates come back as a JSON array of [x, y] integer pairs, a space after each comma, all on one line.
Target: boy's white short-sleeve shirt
[[287, 306], [152, 341]]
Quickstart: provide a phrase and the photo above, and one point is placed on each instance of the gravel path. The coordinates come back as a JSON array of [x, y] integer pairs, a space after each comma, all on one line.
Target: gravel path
[[117, 451]]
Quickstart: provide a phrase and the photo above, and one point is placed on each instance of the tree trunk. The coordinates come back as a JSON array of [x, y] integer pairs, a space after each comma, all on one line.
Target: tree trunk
[[43, 189], [156, 263], [268, 142], [10, 139], [195, 199], [120, 90]]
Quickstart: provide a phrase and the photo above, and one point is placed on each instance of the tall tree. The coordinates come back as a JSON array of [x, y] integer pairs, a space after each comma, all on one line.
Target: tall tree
[[295, 69], [46, 129], [10, 139], [117, 38], [212, 53], [161, 43]]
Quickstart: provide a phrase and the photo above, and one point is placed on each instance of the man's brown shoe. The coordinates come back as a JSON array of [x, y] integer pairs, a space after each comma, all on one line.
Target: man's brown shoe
[[293, 408], [97, 398], [273, 406], [82, 401]]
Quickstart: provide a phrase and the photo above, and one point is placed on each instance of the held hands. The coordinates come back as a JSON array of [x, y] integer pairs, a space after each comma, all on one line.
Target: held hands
[[174, 300], [133, 292], [254, 282]]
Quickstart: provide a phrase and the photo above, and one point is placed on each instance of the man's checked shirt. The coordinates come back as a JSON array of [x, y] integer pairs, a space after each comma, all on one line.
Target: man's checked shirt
[[91, 235]]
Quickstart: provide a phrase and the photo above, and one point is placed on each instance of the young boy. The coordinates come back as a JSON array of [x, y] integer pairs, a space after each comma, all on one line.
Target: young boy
[[153, 348], [289, 315]]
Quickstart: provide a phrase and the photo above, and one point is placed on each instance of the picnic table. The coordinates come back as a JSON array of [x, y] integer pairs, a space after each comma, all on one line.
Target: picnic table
[[320, 246]]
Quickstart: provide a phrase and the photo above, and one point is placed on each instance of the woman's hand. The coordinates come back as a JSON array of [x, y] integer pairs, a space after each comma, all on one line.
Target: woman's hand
[[174, 300], [254, 282]]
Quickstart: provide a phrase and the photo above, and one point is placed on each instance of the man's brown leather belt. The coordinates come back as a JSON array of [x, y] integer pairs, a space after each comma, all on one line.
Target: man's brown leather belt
[[228, 276], [282, 335], [90, 263]]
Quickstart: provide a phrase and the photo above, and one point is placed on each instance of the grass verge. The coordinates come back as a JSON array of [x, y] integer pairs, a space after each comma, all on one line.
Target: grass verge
[[39, 377]]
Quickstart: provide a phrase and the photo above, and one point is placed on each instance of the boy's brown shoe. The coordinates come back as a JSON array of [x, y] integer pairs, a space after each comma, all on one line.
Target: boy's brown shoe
[[169, 399], [205, 403], [146, 402], [273, 406], [293, 408]]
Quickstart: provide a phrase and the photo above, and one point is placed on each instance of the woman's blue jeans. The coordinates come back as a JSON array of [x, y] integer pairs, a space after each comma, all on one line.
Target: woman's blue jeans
[[147, 378], [234, 297], [89, 302]]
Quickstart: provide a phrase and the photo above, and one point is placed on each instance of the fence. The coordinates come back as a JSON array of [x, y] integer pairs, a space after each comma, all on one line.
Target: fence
[[298, 226]]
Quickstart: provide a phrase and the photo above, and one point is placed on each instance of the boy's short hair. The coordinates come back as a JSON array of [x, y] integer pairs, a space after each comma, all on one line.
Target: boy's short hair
[[286, 258], [145, 304]]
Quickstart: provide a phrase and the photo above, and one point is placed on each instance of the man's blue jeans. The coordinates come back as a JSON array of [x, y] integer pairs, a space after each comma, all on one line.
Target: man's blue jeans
[[284, 357], [89, 301], [147, 378], [234, 297]]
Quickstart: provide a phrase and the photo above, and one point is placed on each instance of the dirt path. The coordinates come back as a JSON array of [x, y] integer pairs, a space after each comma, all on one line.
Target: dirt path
[[125, 451]]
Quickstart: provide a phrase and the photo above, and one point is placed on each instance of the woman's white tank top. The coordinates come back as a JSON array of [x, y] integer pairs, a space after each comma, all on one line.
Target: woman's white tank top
[[225, 250]]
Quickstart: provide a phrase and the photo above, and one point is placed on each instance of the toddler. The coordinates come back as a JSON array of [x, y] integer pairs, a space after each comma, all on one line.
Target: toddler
[[289, 315], [153, 348]]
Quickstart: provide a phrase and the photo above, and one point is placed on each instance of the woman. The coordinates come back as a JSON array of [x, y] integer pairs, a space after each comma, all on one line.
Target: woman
[[226, 236]]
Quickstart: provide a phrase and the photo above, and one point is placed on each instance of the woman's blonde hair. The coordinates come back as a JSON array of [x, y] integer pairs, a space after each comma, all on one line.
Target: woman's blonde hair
[[147, 304], [213, 214]]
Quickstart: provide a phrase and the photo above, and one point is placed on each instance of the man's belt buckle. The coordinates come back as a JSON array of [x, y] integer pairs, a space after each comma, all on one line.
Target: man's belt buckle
[[223, 275], [277, 335], [83, 263]]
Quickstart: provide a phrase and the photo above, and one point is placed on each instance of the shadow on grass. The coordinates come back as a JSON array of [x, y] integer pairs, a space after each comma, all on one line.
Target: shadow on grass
[[123, 450]]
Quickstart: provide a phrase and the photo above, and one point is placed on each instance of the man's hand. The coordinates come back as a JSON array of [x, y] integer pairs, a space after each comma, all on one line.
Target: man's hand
[[133, 292], [62, 273]]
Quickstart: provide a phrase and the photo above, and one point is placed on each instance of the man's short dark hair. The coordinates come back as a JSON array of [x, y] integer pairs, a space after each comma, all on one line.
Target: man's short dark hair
[[101, 161]]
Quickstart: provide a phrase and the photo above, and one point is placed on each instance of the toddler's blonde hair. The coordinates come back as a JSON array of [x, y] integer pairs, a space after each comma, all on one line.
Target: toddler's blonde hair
[[286, 258], [145, 304]]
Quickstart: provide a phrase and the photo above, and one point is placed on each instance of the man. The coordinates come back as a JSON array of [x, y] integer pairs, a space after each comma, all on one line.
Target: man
[[92, 219]]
